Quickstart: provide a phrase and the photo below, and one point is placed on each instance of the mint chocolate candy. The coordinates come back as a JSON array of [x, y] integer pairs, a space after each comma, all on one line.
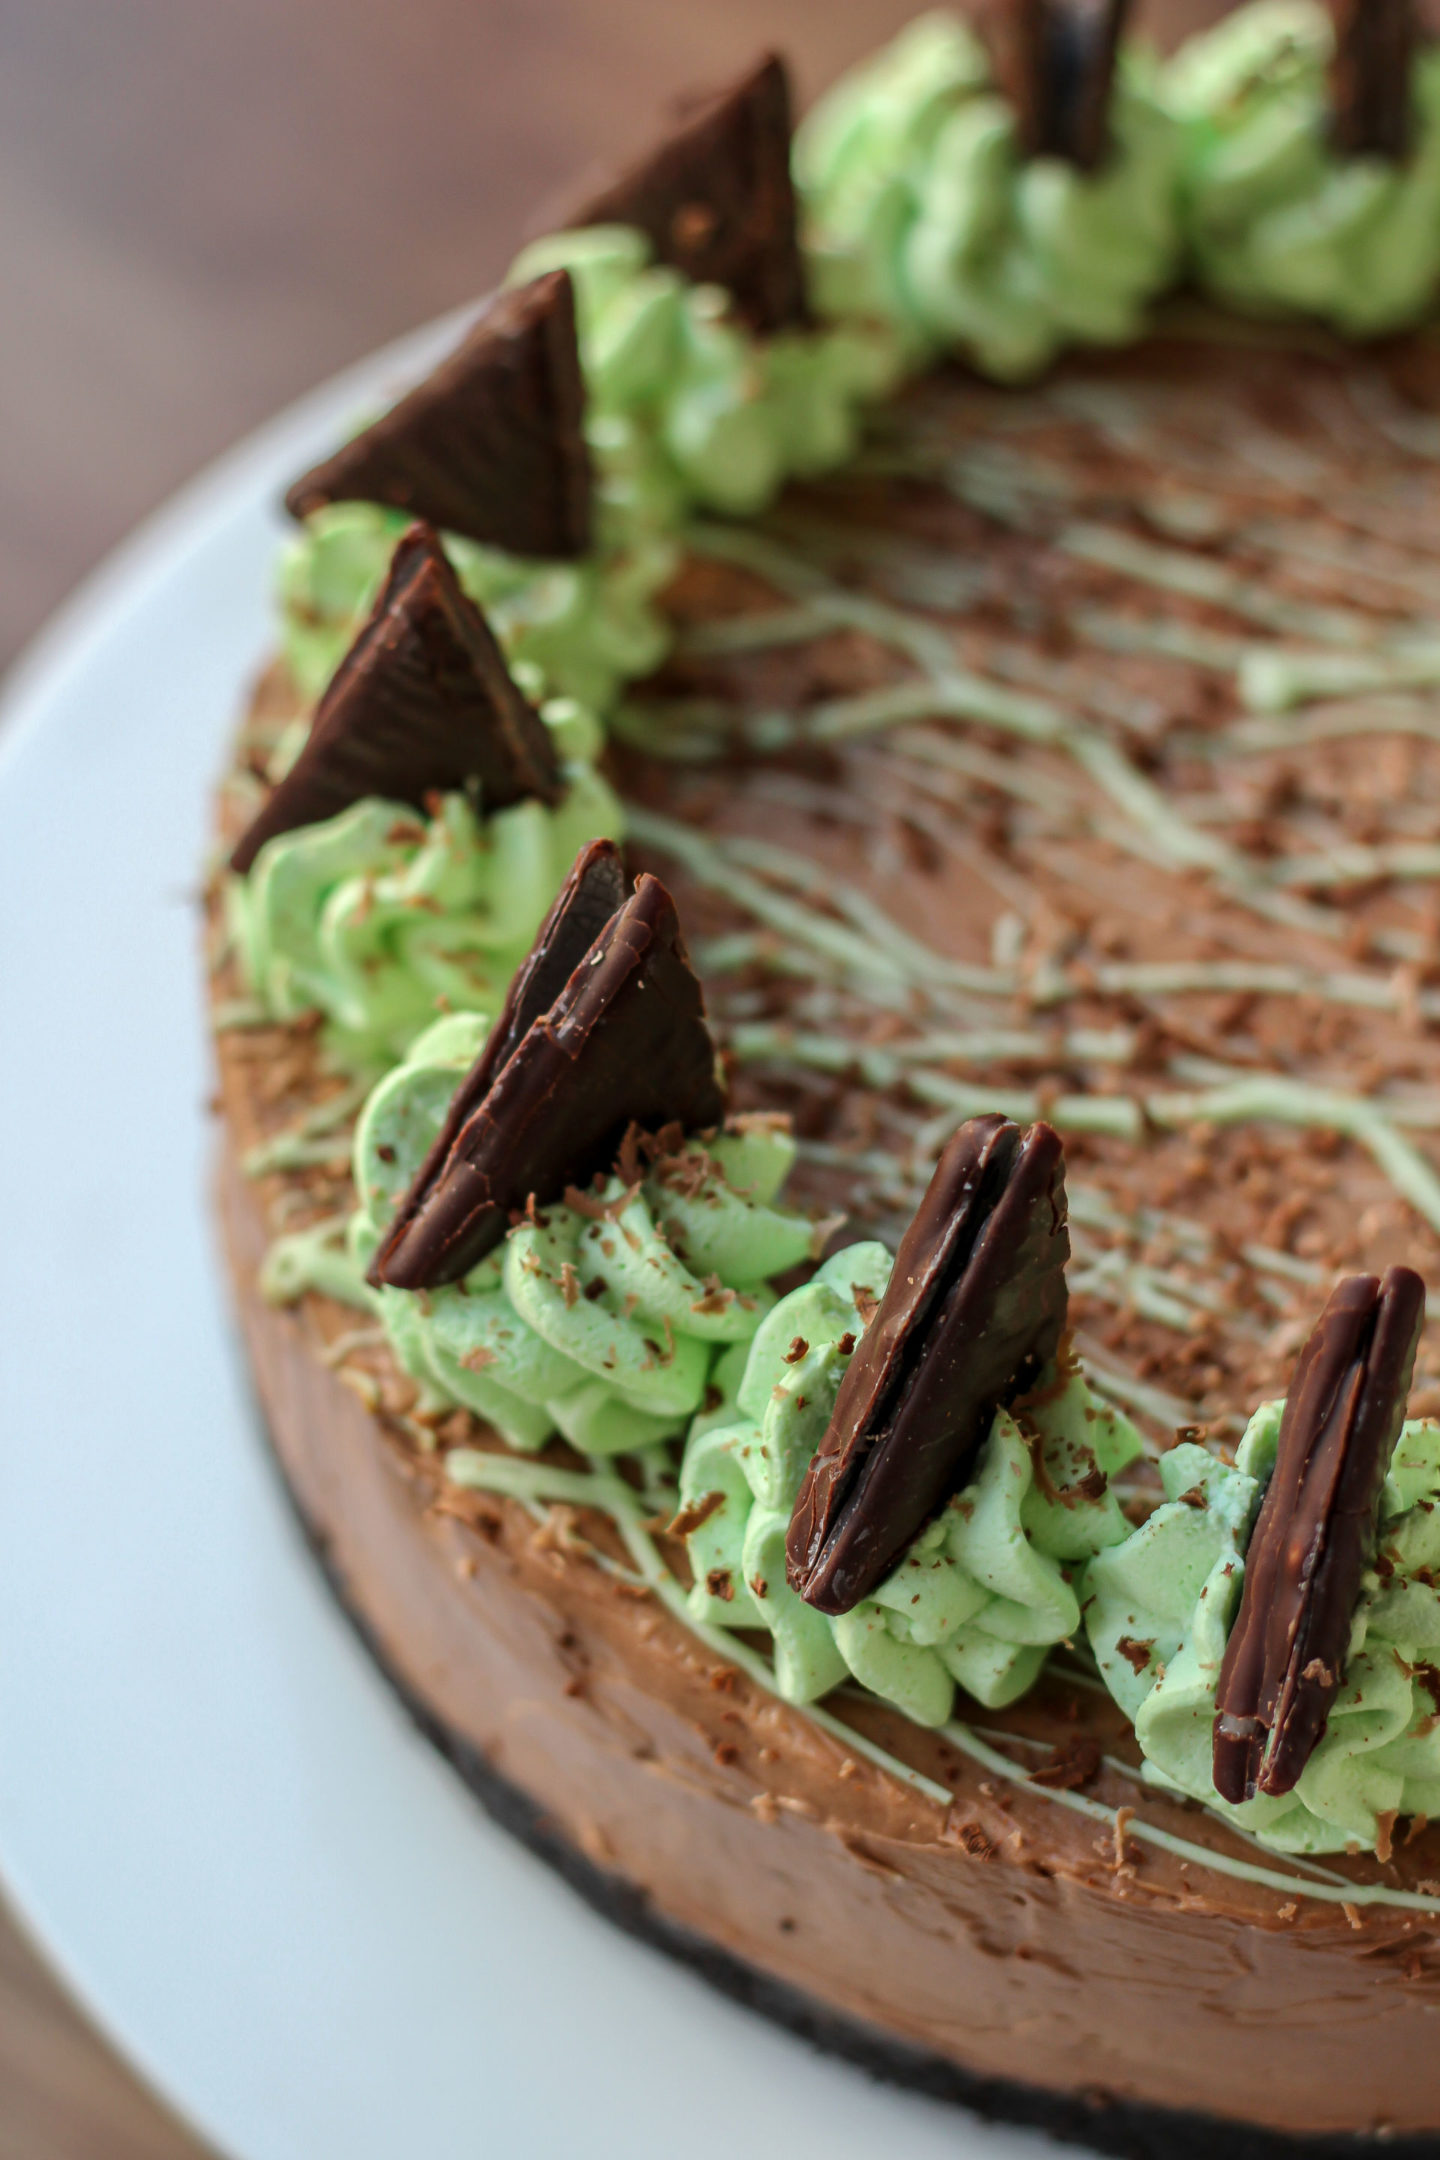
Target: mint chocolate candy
[[973, 1312], [1315, 1535], [422, 704], [492, 444], [716, 200], [593, 893], [624, 1043], [1055, 61], [1371, 96]]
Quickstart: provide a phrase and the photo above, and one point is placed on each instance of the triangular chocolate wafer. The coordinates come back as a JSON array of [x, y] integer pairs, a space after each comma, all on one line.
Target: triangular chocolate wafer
[[423, 703], [1316, 1534], [492, 444], [1055, 61], [591, 896], [973, 1311], [625, 1043], [716, 199], [1371, 94]]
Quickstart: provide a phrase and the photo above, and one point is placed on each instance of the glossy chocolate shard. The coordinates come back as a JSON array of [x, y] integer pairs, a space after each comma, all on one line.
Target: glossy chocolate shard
[[1316, 1534], [625, 1043], [591, 896], [716, 199], [1371, 93], [423, 703], [1055, 61], [974, 1310], [492, 444]]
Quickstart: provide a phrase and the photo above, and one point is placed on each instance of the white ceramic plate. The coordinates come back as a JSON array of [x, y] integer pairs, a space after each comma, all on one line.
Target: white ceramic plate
[[213, 1814]]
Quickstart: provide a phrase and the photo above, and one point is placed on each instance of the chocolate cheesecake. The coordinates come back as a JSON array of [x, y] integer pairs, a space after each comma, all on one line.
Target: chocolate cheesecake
[[1007, 1663]]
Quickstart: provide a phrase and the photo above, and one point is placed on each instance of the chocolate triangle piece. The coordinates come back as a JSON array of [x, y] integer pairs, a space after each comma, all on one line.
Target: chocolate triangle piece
[[1316, 1534], [716, 199], [492, 444], [1055, 61], [974, 1310], [1371, 95], [625, 1043], [591, 896], [423, 703]]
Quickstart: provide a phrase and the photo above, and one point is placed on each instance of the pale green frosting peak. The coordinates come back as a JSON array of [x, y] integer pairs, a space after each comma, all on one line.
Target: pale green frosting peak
[[985, 1590], [575, 630], [382, 916], [1159, 1611], [1279, 222], [724, 417], [921, 211], [605, 1321]]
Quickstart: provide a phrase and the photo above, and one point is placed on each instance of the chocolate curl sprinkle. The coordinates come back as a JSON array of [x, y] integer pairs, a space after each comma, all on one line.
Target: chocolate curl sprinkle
[[623, 1043], [491, 444], [422, 704], [973, 1312], [1055, 61], [1316, 1534], [1371, 99], [716, 199]]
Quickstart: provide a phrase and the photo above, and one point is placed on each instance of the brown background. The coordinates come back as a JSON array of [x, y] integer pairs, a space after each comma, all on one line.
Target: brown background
[[204, 209]]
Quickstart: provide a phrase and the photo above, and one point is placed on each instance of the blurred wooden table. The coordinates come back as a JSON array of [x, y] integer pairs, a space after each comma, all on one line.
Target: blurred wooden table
[[203, 211]]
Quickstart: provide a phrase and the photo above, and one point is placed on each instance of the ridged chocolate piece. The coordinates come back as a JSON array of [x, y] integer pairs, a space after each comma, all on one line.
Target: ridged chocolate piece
[[591, 896], [1055, 61], [422, 704], [490, 445], [973, 1311], [716, 199], [1316, 1534], [1371, 94], [625, 1043]]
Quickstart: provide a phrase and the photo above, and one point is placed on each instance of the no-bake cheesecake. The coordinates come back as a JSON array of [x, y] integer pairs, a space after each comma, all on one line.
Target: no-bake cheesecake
[[825, 950]]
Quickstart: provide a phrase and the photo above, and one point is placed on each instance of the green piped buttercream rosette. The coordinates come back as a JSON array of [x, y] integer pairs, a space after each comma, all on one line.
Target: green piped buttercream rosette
[[686, 409], [609, 1322], [383, 916], [921, 212], [1279, 222], [1160, 1606], [985, 1591]]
